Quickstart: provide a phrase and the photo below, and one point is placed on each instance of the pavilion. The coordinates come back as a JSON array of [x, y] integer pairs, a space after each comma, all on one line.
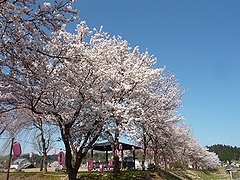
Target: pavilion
[[106, 146]]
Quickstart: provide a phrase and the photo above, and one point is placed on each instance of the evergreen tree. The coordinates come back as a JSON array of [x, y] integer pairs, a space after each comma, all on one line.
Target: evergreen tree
[[225, 152]]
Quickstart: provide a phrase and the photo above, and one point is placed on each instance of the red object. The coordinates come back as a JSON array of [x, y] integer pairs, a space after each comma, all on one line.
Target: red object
[[110, 163], [31, 154], [61, 158], [17, 151], [133, 148], [54, 151], [151, 153], [90, 164], [116, 152], [120, 147], [78, 148], [101, 167]]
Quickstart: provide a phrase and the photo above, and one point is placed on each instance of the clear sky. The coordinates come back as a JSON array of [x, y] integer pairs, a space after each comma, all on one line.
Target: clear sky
[[199, 41]]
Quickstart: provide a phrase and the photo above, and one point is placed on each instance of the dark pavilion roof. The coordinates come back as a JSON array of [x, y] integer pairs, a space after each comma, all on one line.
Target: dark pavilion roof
[[106, 146]]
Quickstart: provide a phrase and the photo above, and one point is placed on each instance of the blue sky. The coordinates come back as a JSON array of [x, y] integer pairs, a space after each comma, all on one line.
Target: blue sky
[[198, 41]]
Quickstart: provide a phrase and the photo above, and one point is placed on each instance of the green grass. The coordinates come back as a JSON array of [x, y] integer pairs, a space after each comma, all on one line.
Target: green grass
[[189, 174], [218, 174], [123, 175], [169, 175], [33, 175]]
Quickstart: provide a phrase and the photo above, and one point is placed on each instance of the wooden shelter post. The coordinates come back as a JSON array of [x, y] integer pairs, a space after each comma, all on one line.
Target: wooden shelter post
[[122, 159], [106, 156], [91, 153], [134, 159]]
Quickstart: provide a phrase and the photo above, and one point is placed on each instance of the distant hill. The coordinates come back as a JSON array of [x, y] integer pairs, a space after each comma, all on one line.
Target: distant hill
[[225, 152]]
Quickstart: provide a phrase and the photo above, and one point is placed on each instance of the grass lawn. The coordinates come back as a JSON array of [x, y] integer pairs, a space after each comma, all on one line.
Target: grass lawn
[[189, 174], [32, 176], [193, 174], [83, 175]]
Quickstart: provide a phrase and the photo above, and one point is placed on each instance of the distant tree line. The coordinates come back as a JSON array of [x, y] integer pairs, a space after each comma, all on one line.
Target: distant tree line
[[225, 152]]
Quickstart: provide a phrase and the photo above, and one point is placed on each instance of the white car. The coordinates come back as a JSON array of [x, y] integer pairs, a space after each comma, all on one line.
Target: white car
[[14, 166]]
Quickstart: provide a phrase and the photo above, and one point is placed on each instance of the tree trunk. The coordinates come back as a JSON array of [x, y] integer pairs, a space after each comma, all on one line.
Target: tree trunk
[[72, 167], [143, 160], [144, 152], [156, 159], [44, 163], [116, 165], [156, 162], [72, 170], [41, 164], [44, 157], [165, 161], [73, 160], [72, 174]]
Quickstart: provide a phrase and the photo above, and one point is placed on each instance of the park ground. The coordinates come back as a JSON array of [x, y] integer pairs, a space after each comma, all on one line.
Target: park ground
[[190, 174]]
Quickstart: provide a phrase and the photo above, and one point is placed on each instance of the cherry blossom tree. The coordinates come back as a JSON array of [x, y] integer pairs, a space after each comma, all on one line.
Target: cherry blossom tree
[[200, 157], [126, 74], [13, 124], [43, 141], [8, 122], [188, 150], [24, 29], [155, 114], [65, 86], [72, 98], [179, 141]]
